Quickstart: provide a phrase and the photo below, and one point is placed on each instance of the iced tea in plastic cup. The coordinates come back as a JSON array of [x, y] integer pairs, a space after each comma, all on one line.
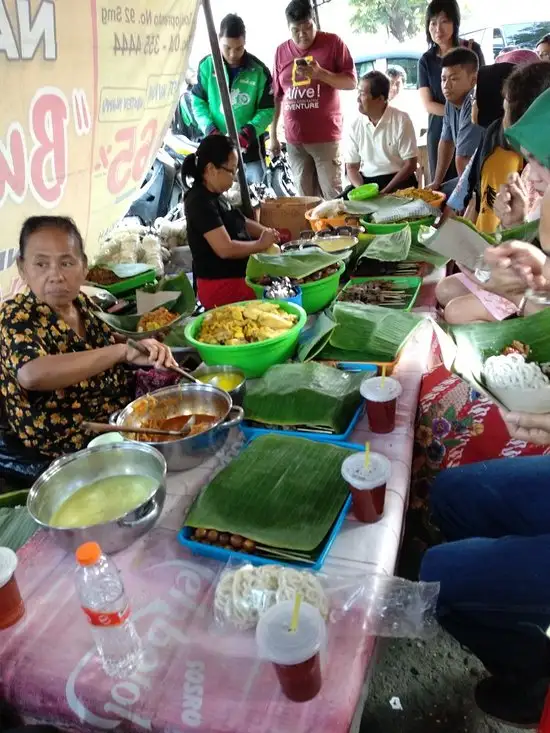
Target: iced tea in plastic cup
[[381, 395], [296, 655], [12, 607], [367, 484]]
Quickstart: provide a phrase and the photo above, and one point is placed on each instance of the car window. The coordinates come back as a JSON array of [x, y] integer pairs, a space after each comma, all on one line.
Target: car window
[[363, 67], [411, 69]]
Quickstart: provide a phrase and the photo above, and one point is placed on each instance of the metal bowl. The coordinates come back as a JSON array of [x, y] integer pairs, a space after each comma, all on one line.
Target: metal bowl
[[70, 473], [237, 394], [184, 399]]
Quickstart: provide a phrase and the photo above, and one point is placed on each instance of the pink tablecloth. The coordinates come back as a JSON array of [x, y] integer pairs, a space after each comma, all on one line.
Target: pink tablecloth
[[195, 678]]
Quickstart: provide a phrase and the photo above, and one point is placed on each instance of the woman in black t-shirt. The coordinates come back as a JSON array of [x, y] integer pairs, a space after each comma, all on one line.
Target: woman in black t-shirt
[[220, 237], [442, 29]]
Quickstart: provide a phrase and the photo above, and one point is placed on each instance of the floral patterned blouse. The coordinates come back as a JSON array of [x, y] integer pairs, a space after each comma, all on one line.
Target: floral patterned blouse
[[49, 421]]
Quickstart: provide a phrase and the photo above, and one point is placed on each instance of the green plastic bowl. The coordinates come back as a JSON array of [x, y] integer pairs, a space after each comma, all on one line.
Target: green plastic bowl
[[378, 229], [254, 359], [315, 295]]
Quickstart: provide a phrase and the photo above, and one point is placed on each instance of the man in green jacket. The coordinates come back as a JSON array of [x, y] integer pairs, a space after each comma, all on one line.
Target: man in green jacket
[[250, 86]]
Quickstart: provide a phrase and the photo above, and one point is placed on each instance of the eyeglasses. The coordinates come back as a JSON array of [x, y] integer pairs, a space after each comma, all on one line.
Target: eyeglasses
[[229, 170]]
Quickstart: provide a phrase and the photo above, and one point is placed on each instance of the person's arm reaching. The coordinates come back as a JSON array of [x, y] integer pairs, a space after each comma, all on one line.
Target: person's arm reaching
[[469, 137], [407, 170], [354, 174], [344, 81], [461, 162], [445, 153], [231, 249], [52, 372], [199, 101]]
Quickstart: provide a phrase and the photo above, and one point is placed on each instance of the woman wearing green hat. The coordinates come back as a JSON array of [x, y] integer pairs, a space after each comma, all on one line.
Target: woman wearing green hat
[[494, 568]]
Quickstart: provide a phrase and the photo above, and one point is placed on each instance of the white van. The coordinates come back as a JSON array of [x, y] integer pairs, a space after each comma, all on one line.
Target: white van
[[506, 36]]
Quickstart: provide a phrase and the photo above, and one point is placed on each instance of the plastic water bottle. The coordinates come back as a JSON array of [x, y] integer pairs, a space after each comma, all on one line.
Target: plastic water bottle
[[105, 604]]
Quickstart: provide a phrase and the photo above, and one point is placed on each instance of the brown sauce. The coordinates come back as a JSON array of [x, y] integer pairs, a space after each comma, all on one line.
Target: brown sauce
[[202, 423]]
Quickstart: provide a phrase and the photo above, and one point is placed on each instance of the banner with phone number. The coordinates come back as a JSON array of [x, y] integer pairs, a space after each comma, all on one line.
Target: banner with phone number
[[88, 90]]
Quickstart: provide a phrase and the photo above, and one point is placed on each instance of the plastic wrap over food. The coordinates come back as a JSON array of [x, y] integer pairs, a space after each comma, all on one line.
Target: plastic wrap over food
[[383, 606], [150, 253]]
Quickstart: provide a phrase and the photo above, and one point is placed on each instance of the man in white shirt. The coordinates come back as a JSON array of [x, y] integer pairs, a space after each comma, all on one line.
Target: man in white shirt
[[382, 145]]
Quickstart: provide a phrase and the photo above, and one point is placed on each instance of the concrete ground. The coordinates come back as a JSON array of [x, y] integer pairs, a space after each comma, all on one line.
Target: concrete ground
[[434, 682]]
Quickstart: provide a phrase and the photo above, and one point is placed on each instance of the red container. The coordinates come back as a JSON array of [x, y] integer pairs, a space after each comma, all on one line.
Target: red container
[[12, 607], [368, 505], [300, 682], [295, 655], [367, 484], [381, 394]]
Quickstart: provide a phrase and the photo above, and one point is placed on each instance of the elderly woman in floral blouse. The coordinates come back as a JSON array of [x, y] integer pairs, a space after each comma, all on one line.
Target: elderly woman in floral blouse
[[60, 364]]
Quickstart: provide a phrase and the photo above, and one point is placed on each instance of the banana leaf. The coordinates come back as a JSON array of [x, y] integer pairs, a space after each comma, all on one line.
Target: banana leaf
[[183, 304], [312, 395], [314, 339], [283, 492], [125, 270], [373, 330], [392, 247], [525, 232], [478, 341], [16, 527], [292, 264], [418, 253]]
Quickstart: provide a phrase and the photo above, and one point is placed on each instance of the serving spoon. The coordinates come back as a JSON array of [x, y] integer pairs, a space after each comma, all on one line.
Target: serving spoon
[[102, 428]]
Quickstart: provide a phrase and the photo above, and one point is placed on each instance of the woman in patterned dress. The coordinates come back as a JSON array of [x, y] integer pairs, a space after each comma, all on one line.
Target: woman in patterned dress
[[60, 364]]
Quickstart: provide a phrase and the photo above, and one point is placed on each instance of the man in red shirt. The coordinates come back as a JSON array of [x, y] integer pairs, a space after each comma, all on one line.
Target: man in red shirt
[[310, 69]]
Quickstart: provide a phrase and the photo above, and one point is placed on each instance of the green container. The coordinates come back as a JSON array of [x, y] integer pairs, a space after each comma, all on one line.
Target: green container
[[315, 295], [377, 229], [411, 284], [254, 359]]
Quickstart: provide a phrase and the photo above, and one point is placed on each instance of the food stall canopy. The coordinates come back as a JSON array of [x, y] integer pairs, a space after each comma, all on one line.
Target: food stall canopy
[[88, 92]]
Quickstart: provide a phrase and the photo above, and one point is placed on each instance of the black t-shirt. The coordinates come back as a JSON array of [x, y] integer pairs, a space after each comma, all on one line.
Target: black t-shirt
[[204, 212], [429, 70]]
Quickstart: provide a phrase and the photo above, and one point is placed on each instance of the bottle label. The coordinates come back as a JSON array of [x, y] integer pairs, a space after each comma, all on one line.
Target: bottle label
[[100, 618]]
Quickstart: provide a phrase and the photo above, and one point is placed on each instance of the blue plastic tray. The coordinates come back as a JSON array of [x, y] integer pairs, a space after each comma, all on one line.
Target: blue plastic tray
[[251, 431], [220, 553]]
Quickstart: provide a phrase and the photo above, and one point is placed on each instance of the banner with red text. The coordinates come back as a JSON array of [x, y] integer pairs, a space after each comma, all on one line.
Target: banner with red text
[[87, 90]]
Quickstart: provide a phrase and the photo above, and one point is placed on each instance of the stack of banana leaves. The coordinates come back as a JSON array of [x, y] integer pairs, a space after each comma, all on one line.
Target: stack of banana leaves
[[280, 498], [357, 332], [304, 396]]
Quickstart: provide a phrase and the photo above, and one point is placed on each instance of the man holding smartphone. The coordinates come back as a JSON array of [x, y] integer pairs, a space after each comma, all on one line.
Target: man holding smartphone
[[310, 70]]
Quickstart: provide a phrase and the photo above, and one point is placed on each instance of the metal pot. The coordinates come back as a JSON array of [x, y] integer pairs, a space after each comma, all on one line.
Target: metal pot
[[184, 399], [72, 472], [237, 394]]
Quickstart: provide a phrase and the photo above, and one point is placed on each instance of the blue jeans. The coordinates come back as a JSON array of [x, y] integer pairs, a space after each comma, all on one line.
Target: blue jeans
[[495, 570]]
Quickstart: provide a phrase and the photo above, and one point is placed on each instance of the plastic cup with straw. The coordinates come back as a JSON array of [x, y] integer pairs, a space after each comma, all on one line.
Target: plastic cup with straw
[[381, 395], [292, 635]]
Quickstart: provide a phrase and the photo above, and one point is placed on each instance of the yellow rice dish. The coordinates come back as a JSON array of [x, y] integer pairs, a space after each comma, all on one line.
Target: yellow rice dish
[[231, 325]]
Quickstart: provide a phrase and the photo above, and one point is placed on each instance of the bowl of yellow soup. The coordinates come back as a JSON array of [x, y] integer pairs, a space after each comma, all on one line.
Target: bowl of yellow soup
[[110, 494]]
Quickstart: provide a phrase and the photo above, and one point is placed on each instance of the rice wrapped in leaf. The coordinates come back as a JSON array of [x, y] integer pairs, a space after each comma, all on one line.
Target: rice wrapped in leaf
[[312, 395], [373, 331]]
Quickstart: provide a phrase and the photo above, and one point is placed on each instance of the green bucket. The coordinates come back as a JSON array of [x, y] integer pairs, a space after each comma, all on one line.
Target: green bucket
[[315, 295], [254, 359]]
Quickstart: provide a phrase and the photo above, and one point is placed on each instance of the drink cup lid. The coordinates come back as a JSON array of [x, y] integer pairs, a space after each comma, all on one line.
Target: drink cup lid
[[372, 389], [276, 643], [363, 477], [8, 564]]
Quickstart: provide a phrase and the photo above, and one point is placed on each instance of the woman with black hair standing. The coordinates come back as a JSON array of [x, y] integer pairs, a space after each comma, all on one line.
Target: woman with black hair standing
[[220, 238], [442, 34]]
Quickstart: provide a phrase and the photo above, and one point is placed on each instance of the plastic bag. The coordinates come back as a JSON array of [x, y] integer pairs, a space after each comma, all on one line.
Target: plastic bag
[[150, 253], [380, 605]]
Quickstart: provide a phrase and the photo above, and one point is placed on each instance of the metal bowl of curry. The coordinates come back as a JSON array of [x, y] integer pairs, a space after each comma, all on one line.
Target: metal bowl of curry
[[170, 409]]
